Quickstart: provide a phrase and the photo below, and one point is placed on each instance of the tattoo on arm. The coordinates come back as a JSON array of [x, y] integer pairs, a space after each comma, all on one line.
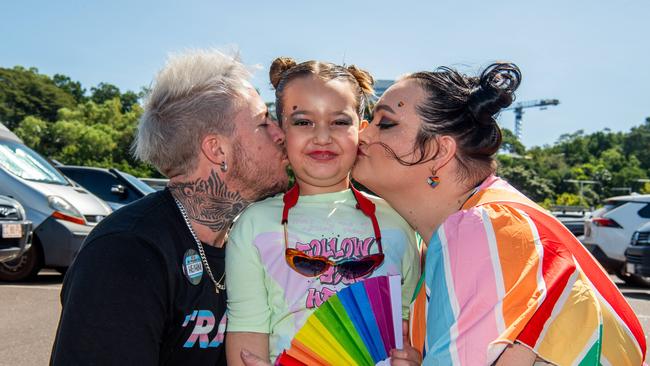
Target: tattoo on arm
[[209, 202]]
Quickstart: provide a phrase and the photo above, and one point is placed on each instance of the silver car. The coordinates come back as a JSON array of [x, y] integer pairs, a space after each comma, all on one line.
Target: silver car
[[62, 212]]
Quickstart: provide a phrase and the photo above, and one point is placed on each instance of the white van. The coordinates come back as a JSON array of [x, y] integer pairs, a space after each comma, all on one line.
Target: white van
[[62, 212]]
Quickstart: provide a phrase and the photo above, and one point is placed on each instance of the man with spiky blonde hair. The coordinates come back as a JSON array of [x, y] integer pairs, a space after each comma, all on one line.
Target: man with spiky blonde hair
[[148, 286]]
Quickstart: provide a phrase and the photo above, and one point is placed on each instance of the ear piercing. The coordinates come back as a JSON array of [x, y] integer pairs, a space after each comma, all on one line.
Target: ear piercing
[[224, 167]]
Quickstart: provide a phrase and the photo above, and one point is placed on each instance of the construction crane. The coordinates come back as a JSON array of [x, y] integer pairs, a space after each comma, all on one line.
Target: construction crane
[[519, 110]]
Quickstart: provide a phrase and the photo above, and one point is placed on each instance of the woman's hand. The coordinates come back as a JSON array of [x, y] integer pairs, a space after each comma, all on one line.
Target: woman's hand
[[515, 355]]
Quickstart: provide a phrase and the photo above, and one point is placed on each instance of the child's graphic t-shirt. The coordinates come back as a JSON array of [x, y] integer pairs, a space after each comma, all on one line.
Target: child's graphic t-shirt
[[265, 295]]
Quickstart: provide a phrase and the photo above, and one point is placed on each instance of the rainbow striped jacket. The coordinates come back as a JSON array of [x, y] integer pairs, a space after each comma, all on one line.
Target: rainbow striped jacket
[[502, 270]]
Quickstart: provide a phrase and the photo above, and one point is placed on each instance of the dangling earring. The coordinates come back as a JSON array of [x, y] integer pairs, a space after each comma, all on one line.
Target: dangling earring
[[224, 167], [433, 181]]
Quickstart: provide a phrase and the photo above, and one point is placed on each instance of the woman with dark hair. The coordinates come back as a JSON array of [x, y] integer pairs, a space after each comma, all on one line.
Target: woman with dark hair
[[504, 282]]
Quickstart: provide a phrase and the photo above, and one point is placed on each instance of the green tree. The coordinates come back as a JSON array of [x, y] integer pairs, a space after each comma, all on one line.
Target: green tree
[[89, 134], [637, 142], [527, 181], [128, 100], [73, 88], [54, 116], [568, 199], [25, 92], [32, 130], [574, 147], [104, 92], [646, 188], [511, 143]]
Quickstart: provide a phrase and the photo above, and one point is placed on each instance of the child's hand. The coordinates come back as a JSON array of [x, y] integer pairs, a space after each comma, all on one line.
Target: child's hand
[[404, 357], [250, 359], [408, 355]]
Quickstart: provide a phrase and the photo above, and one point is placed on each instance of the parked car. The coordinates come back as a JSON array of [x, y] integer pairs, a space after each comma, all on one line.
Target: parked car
[[609, 229], [113, 186], [573, 217], [637, 256], [16, 236], [62, 213], [156, 183]]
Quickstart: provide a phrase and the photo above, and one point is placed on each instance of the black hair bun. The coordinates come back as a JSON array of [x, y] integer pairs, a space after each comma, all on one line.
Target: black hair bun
[[495, 91]]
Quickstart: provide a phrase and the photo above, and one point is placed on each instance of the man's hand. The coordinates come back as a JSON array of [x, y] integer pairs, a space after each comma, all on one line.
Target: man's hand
[[250, 359]]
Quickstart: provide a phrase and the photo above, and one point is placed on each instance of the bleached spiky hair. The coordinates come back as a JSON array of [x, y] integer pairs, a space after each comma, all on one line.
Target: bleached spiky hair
[[195, 94]]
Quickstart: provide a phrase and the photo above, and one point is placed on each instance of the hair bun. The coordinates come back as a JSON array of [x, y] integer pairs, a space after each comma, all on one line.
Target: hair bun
[[495, 91], [280, 65], [365, 80]]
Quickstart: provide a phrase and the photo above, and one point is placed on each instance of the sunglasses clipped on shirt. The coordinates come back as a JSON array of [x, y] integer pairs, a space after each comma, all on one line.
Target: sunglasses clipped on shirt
[[312, 266]]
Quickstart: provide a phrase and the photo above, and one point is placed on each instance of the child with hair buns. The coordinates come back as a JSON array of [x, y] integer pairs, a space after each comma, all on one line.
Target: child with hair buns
[[288, 254]]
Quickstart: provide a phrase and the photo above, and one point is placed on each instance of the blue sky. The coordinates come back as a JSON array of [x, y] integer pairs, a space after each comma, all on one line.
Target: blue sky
[[594, 56]]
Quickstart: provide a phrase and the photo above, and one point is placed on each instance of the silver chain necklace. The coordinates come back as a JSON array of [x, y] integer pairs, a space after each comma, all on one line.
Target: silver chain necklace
[[218, 286]]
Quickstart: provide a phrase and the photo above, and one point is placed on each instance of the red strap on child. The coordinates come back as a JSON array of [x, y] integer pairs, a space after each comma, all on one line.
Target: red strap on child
[[364, 204]]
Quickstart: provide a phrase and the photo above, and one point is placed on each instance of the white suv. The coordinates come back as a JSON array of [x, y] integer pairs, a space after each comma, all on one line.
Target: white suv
[[608, 231]]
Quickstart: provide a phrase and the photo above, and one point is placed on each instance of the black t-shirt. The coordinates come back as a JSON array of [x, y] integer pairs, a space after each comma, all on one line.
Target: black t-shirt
[[136, 295]]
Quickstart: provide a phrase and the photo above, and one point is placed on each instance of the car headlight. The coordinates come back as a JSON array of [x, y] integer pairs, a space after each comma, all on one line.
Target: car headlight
[[63, 210]]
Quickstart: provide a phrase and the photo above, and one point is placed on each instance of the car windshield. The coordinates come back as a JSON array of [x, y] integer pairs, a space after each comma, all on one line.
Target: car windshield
[[25, 163], [142, 186]]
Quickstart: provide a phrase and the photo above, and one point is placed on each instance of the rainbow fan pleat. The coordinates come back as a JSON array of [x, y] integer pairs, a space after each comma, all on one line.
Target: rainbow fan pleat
[[357, 326]]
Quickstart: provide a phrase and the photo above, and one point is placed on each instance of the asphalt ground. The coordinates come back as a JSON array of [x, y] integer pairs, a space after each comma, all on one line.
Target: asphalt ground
[[29, 313]]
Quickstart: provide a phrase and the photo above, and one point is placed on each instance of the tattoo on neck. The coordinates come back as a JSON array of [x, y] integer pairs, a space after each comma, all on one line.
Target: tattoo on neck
[[209, 202]]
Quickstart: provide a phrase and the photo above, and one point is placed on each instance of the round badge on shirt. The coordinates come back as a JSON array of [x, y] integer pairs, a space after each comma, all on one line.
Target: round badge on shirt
[[192, 266]]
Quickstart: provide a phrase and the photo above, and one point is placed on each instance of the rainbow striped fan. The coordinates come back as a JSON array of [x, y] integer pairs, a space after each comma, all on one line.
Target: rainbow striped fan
[[357, 326]]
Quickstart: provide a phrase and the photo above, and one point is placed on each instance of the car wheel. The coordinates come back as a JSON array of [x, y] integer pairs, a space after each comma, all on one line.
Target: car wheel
[[636, 280], [24, 267], [633, 279]]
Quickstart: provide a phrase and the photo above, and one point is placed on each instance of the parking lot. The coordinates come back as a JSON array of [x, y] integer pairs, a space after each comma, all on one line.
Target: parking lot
[[29, 313]]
